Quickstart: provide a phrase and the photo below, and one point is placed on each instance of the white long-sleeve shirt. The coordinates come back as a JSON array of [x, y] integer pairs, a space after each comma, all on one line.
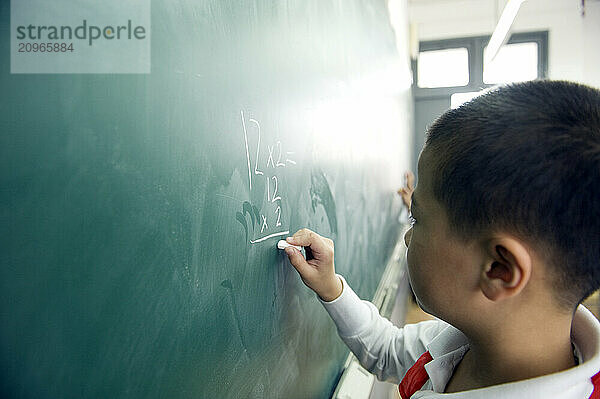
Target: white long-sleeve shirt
[[388, 352]]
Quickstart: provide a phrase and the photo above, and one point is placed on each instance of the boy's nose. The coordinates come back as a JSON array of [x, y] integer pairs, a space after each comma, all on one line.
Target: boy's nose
[[407, 237]]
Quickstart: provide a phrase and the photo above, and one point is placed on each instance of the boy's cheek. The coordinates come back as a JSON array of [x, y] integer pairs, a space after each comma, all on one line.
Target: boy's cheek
[[420, 292], [407, 237], [421, 280], [414, 274]]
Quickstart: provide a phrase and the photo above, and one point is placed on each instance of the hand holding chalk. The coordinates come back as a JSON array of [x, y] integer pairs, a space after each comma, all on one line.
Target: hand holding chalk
[[318, 272], [282, 244]]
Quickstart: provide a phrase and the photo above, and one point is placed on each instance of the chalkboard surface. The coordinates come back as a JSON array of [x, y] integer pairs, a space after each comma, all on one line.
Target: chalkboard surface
[[140, 213]]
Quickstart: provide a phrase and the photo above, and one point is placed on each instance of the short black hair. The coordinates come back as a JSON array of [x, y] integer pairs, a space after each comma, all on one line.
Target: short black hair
[[525, 158]]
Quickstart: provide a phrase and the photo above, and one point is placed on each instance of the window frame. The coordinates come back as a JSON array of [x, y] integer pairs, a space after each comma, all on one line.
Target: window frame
[[475, 46]]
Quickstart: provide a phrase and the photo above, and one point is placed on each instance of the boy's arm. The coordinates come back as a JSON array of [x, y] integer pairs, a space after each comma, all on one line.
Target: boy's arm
[[381, 348]]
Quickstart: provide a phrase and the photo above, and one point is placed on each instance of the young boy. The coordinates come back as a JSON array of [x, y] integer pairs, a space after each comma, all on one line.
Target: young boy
[[503, 247]]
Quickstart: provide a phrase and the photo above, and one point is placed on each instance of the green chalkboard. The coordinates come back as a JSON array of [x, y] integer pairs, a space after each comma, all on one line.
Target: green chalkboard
[[140, 212]]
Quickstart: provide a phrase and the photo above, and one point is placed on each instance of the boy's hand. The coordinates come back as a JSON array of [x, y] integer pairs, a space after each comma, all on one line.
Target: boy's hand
[[406, 191], [318, 272]]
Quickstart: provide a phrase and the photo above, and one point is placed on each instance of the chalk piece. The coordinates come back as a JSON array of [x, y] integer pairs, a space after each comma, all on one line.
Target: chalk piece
[[282, 244]]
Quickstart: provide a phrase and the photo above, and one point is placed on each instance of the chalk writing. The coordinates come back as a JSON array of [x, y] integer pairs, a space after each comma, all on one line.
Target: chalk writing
[[264, 218]]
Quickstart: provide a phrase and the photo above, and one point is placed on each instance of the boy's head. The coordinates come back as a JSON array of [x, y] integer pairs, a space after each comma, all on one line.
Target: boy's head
[[524, 159]]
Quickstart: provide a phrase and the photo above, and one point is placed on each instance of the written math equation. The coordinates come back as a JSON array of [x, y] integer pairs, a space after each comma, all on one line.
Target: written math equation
[[266, 221]]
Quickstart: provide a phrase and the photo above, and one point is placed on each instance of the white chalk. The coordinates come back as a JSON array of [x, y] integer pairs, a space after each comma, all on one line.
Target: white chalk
[[283, 244]]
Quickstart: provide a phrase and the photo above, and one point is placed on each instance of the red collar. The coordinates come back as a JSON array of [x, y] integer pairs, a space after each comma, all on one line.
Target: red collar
[[416, 376]]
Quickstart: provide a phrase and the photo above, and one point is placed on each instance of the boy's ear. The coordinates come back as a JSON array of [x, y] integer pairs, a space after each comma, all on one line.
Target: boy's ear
[[507, 269]]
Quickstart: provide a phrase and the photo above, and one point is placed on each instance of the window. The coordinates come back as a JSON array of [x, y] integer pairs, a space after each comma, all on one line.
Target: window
[[457, 99], [514, 63], [443, 68], [456, 65]]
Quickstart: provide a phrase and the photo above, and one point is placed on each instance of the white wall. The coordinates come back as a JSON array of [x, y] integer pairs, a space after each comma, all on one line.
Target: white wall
[[591, 37], [574, 41]]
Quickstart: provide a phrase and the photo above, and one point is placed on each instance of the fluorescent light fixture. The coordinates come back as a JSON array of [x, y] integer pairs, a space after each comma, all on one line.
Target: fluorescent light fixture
[[500, 35]]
